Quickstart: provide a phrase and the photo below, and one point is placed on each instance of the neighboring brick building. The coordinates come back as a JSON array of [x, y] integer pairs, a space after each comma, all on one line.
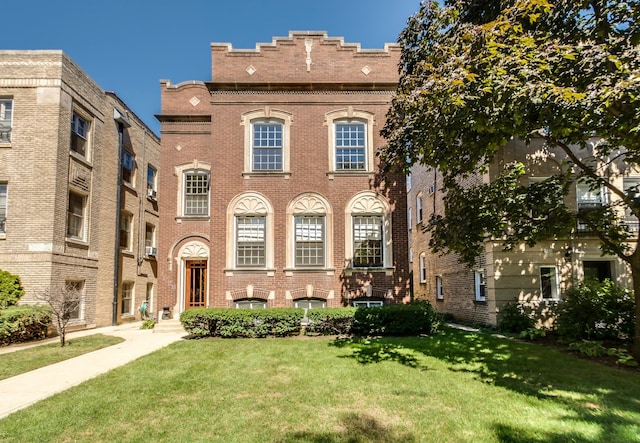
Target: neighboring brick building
[[59, 152], [536, 276], [270, 193]]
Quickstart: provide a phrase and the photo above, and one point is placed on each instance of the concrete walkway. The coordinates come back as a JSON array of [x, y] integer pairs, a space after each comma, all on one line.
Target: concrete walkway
[[26, 389]]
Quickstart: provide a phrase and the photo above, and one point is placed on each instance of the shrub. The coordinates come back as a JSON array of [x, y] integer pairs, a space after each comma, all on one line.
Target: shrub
[[397, 320], [10, 289], [149, 323], [22, 323], [330, 321], [223, 322], [514, 319], [596, 311]]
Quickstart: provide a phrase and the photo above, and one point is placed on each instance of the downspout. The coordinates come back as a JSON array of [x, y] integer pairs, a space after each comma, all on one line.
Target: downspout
[[142, 250], [122, 122]]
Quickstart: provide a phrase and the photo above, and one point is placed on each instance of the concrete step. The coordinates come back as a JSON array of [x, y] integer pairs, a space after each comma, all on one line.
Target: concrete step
[[168, 326]]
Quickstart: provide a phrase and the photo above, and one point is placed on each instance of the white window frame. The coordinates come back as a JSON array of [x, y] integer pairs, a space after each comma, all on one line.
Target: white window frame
[[410, 255], [6, 120], [245, 205], [152, 174], [203, 177], [266, 115], [81, 216], [308, 303], [480, 285], [590, 198], [346, 116], [439, 288], [251, 303], [80, 286], [126, 228], [364, 204], [260, 242], [423, 268], [313, 205], [552, 273], [128, 164], [305, 239], [179, 172], [367, 303], [149, 242], [343, 132], [4, 204], [258, 165], [419, 214], [410, 218], [81, 133], [128, 297]]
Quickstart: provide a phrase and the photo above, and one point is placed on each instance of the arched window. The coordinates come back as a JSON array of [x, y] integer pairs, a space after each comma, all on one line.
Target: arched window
[[250, 232], [368, 231], [309, 233]]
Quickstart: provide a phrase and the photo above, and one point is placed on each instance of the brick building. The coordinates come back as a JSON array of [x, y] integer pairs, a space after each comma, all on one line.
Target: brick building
[[535, 276], [269, 192], [64, 217]]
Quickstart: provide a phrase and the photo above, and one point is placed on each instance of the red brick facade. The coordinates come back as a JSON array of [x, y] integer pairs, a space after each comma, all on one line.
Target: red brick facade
[[303, 87]]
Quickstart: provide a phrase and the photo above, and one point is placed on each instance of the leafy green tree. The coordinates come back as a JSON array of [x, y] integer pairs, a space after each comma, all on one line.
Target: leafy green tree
[[475, 73]]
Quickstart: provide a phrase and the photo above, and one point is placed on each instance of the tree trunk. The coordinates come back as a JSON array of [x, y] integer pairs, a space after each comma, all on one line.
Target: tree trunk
[[635, 272]]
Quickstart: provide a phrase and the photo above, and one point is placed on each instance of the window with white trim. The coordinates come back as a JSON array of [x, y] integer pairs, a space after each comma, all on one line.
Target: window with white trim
[[3, 207], [80, 130], [310, 240], [128, 168], [151, 181], [368, 241], [367, 303], [77, 286], [351, 145], [6, 119], [196, 193], [251, 303], [127, 298], [149, 236], [410, 218], [250, 241], [549, 283], [423, 268], [267, 145], [419, 208], [310, 303], [480, 285], [439, 289], [410, 255], [125, 231], [76, 216], [590, 198]]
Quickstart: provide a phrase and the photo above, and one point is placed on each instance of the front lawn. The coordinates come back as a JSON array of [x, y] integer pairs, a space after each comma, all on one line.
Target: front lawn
[[455, 386], [18, 362]]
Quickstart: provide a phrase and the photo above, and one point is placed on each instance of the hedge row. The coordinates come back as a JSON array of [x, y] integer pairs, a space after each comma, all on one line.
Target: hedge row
[[23, 323], [396, 320], [221, 322]]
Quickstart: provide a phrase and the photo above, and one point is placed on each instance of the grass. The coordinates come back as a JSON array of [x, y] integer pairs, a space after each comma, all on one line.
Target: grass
[[19, 362], [456, 386]]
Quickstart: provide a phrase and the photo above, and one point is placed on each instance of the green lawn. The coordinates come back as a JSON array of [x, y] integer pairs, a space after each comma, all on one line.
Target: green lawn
[[456, 386], [18, 362]]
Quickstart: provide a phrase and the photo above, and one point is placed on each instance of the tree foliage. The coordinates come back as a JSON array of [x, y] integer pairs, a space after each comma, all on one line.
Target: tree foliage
[[474, 74]]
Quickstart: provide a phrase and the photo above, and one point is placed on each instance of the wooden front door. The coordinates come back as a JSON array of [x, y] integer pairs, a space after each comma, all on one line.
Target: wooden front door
[[195, 284]]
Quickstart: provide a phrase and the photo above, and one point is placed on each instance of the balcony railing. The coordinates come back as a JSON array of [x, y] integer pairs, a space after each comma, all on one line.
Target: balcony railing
[[633, 226]]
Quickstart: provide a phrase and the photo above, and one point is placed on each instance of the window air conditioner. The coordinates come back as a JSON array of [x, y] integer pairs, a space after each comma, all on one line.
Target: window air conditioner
[[151, 251], [151, 194]]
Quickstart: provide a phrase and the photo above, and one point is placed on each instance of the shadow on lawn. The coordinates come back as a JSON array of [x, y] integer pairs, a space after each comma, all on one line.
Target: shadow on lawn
[[355, 429], [602, 397]]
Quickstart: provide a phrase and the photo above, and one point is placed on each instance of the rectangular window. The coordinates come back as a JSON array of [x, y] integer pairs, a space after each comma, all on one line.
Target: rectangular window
[[151, 182], [439, 290], [367, 241], [127, 297], [196, 194], [149, 235], [254, 303], [590, 198], [6, 114], [309, 240], [423, 269], [367, 304], [250, 241], [77, 286], [79, 135], [267, 147], [410, 255], [410, 218], [350, 146], [419, 208], [631, 187], [75, 216], [125, 231], [549, 282], [3, 208], [480, 285], [128, 168]]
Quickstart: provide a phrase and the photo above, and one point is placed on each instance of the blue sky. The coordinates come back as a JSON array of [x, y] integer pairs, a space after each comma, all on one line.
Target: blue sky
[[129, 46]]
